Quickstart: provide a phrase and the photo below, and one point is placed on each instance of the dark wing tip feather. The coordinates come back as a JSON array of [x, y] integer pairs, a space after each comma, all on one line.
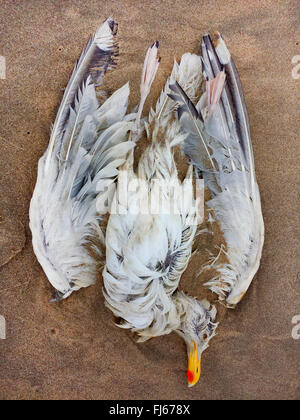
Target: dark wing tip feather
[[114, 26], [184, 101], [212, 56], [233, 96], [173, 97]]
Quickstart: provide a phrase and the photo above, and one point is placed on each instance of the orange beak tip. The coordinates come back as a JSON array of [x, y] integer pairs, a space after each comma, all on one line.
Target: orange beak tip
[[190, 376], [194, 366]]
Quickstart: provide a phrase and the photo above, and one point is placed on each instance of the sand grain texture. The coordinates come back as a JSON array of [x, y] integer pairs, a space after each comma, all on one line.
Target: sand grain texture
[[72, 349]]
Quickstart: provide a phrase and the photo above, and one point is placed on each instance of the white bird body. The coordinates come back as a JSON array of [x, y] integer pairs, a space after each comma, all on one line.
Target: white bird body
[[147, 253], [87, 145]]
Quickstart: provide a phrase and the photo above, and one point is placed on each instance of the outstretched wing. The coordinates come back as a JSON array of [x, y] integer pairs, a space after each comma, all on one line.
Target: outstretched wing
[[78, 170], [227, 165]]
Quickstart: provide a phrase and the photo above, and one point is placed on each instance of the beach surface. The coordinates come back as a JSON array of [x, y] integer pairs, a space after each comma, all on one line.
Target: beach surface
[[73, 350]]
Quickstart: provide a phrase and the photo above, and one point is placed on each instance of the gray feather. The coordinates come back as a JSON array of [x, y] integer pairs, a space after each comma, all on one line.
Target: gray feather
[[95, 60], [192, 124], [232, 112]]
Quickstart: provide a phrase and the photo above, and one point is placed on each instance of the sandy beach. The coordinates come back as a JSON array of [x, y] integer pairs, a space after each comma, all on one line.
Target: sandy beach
[[73, 350]]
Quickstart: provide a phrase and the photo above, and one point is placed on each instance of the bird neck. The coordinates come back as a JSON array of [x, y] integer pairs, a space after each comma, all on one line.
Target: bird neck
[[181, 302]]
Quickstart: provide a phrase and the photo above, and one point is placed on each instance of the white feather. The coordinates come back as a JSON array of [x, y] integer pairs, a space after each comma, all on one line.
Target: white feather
[[147, 252]]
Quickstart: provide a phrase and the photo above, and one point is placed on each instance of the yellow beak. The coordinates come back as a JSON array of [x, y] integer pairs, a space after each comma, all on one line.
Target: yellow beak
[[194, 367]]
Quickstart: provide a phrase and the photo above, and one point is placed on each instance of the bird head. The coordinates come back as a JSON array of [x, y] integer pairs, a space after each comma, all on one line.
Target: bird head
[[197, 329]]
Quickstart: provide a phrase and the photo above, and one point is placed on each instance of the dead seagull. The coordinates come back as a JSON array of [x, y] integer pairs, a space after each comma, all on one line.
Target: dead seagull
[[87, 145], [219, 145], [147, 252], [91, 150]]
